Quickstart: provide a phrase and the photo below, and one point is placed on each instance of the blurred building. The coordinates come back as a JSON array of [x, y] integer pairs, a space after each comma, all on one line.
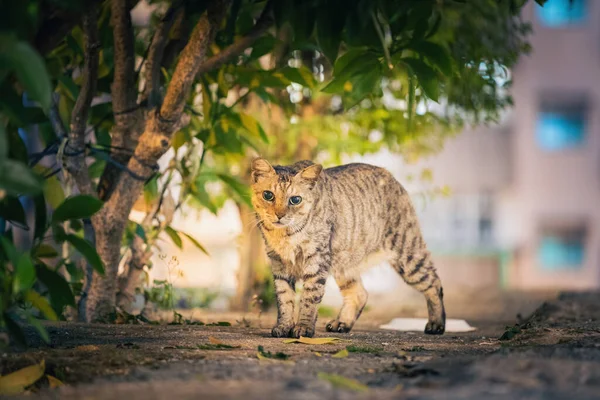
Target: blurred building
[[525, 213]]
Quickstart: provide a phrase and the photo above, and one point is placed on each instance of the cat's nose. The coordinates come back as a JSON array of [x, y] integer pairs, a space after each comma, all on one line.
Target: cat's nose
[[280, 214]]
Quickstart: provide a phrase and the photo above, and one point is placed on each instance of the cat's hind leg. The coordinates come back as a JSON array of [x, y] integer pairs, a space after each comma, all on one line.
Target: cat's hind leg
[[355, 298], [415, 266]]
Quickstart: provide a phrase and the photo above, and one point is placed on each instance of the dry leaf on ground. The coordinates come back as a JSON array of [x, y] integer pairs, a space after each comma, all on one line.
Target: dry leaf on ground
[[54, 382], [307, 340], [343, 383], [16, 382], [341, 354]]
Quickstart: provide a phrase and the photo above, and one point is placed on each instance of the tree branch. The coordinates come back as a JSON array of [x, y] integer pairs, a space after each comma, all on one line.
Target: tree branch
[[128, 118], [155, 56], [123, 87], [263, 24], [188, 65], [54, 116], [75, 163]]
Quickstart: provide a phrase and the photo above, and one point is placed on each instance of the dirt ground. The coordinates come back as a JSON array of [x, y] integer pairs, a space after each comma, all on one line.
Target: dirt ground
[[555, 354]]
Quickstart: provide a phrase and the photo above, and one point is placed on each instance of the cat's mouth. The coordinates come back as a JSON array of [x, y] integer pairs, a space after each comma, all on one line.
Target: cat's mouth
[[279, 224]]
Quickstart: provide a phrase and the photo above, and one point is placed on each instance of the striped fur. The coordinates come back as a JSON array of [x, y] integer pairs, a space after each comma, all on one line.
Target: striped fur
[[349, 217]]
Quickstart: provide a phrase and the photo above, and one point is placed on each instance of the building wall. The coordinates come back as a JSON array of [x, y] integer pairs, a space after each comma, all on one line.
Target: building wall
[[560, 187]]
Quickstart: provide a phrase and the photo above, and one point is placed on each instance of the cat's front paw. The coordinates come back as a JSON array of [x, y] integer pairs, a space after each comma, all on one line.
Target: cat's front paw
[[435, 328], [281, 331], [337, 326], [303, 330]]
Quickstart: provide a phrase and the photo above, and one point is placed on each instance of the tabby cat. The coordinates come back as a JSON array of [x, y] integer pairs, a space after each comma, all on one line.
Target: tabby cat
[[338, 221]]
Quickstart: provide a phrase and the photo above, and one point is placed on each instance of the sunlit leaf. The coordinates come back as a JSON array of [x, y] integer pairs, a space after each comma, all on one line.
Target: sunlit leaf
[[53, 192], [239, 188], [44, 250], [41, 304], [195, 242], [174, 235]]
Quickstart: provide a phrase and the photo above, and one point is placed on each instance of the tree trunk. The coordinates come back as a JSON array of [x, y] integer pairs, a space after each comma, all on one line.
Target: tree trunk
[[146, 128], [252, 255], [132, 275]]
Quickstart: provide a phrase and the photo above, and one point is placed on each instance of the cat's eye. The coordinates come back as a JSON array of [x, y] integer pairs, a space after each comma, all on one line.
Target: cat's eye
[[295, 200], [268, 196]]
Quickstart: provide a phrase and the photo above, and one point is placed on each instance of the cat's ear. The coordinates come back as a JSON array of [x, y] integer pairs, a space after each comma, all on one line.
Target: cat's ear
[[261, 168], [311, 173]]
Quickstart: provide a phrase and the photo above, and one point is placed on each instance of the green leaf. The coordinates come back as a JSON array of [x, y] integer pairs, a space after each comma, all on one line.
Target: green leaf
[[41, 303], [29, 67], [301, 76], [9, 251], [88, 251], [349, 68], [44, 250], [139, 230], [203, 198], [53, 192], [262, 46], [239, 188], [24, 274], [12, 210], [362, 86], [331, 19], [436, 54], [253, 126], [196, 243], [59, 289], [17, 179], [174, 236], [39, 328], [426, 77], [76, 207]]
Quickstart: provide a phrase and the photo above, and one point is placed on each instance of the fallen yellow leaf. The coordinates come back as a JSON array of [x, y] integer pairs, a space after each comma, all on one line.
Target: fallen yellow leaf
[[343, 382], [214, 340], [306, 340], [16, 382], [54, 382], [316, 353], [341, 354]]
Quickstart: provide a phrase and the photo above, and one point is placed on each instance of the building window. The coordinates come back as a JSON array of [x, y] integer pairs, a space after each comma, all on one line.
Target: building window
[[560, 13], [561, 249], [486, 219], [561, 124]]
